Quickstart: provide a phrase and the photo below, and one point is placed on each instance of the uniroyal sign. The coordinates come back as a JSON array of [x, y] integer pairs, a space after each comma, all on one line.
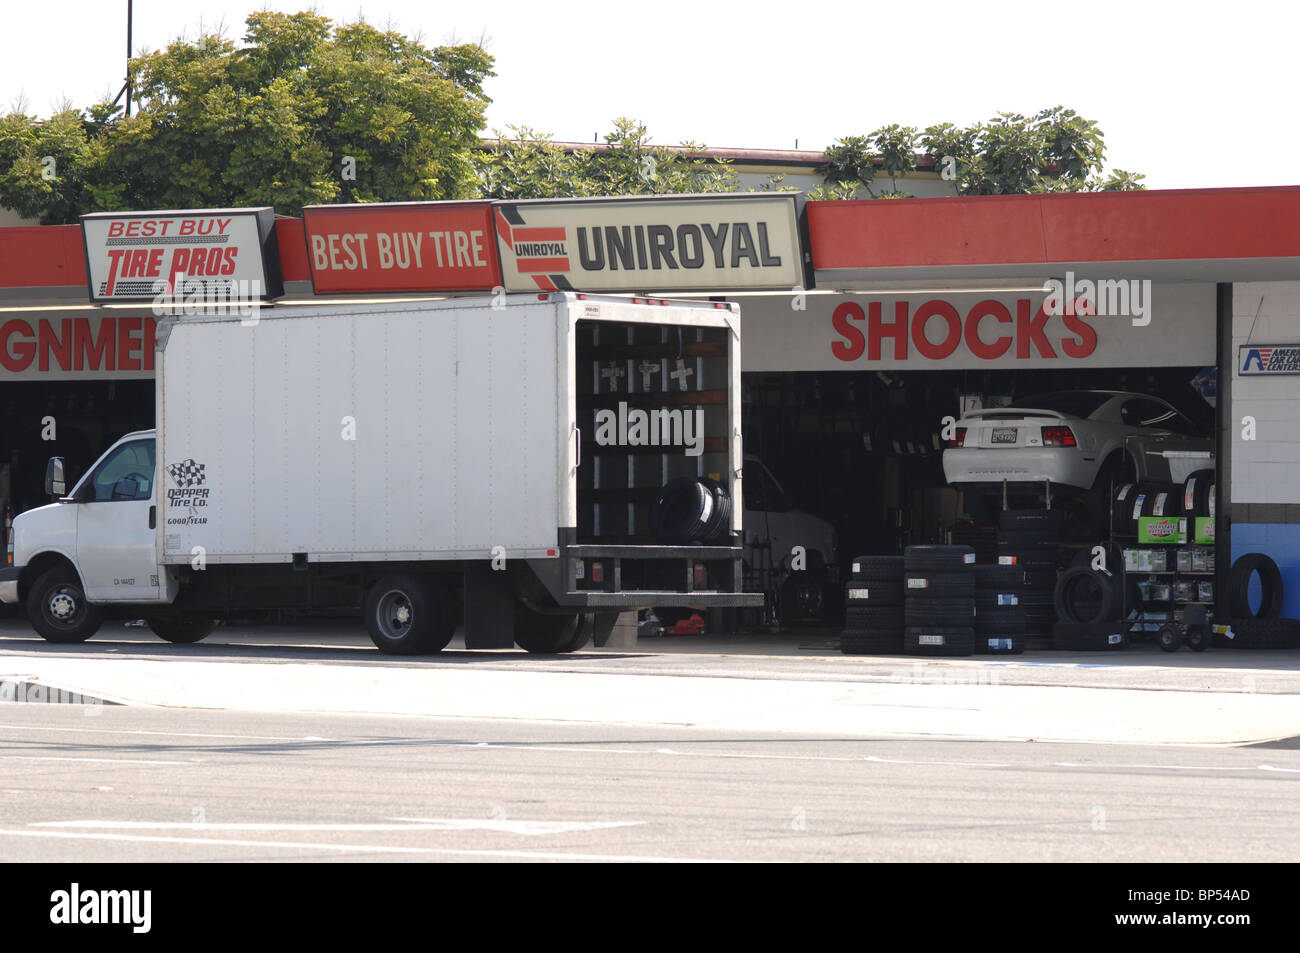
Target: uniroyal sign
[[661, 243], [971, 331], [90, 347], [214, 254], [416, 246]]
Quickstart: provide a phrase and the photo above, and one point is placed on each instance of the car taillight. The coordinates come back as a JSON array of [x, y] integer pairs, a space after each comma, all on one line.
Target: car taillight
[[1058, 437], [597, 572], [960, 439]]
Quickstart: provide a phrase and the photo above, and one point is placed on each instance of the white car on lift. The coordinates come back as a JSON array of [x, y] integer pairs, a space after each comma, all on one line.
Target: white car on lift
[[1080, 440]]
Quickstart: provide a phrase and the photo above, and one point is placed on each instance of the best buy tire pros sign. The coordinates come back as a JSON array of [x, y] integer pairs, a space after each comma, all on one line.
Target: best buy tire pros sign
[[223, 253], [660, 243]]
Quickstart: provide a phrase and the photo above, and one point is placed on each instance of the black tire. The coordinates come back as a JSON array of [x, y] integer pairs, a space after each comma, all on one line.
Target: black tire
[[1198, 490], [1094, 637], [1038, 522], [58, 610], [182, 629], [1028, 542], [935, 558], [938, 640], [876, 567], [1257, 633], [1170, 638], [408, 615], [873, 618], [871, 641], [1270, 580], [1198, 637], [873, 592], [682, 511], [944, 613], [939, 585], [994, 599], [999, 643], [1040, 579], [999, 620], [1086, 597], [720, 519], [545, 634], [1008, 578]]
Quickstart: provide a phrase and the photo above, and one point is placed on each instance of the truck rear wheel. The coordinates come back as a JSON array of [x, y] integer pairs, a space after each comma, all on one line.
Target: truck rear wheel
[[409, 615], [58, 610], [181, 628], [550, 634]]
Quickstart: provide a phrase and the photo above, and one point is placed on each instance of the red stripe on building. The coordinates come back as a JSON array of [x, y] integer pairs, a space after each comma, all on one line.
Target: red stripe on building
[[503, 227]]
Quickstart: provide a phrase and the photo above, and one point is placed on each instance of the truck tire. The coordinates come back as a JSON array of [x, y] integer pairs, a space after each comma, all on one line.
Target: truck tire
[[181, 628], [935, 558], [1089, 637], [937, 640], [1198, 489], [939, 585], [1270, 581], [873, 592], [408, 615], [58, 610], [1010, 619], [1075, 602], [999, 578], [868, 618], [682, 511], [876, 567], [720, 519], [544, 634]]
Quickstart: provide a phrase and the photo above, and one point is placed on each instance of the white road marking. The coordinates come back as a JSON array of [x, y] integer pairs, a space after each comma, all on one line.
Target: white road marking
[[1269, 767], [365, 848], [29, 757], [165, 734], [413, 824]]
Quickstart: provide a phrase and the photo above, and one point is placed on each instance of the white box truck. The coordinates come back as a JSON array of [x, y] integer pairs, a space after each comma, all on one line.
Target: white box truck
[[534, 465]]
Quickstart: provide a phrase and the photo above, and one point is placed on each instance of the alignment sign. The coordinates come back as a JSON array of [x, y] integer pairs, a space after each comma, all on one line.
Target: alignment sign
[[694, 243]]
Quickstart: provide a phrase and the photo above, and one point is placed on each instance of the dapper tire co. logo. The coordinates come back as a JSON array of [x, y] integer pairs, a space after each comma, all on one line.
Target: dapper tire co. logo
[[189, 493]]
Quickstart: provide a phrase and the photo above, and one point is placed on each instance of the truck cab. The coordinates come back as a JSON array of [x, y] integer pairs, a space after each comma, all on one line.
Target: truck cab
[[92, 547]]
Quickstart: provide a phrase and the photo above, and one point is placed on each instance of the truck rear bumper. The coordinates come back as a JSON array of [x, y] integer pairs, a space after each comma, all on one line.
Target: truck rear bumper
[[9, 584]]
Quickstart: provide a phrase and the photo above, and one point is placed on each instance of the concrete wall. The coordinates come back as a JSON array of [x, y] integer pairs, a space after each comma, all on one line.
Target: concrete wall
[[1266, 470]]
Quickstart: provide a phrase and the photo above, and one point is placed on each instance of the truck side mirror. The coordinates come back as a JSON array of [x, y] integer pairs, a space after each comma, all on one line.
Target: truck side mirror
[[55, 484]]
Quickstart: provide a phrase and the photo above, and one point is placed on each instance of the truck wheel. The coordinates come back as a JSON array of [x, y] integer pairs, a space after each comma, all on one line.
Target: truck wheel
[[408, 615], [58, 610], [182, 628], [550, 634]]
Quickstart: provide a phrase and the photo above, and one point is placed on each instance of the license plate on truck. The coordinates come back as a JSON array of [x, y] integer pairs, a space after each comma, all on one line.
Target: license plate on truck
[[1004, 435]]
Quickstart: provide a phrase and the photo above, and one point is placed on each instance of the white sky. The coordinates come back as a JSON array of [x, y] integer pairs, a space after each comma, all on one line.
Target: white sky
[[1193, 94]]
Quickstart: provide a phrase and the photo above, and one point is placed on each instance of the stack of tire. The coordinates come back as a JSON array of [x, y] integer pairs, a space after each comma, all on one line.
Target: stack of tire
[[690, 510], [999, 617], [1198, 493], [1149, 498], [873, 606], [939, 603], [1090, 606], [1031, 541], [1251, 627]]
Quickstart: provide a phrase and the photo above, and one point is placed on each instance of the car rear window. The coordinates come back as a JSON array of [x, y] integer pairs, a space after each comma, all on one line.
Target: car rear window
[[1074, 403]]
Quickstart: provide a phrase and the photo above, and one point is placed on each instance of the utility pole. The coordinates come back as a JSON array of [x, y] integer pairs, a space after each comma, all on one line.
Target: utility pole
[[128, 56]]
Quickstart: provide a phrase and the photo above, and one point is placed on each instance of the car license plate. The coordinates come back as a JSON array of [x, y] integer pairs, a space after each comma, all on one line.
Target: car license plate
[[1004, 435]]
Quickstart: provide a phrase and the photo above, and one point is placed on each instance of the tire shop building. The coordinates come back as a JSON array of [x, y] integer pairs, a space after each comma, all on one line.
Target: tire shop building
[[880, 327]]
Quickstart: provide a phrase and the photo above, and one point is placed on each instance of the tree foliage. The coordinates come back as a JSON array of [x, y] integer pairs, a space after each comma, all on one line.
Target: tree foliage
[[526, 164], [1055, 150], [303, 112]]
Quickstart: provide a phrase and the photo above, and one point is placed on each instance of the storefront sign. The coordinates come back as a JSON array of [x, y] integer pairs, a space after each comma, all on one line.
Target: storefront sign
[[417, 246], [664, 243], [1256, 359], [217, 254], [965, 331], [90, 347]]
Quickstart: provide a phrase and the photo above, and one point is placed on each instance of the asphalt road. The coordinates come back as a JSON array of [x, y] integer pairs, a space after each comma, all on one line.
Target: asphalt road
[[130, 784]]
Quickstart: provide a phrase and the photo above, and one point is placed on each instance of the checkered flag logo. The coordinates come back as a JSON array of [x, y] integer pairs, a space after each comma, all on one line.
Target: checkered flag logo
[[186, 473]]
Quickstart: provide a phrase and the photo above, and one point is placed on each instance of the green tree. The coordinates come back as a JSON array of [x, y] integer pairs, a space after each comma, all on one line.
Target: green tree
[[525, 164], [1056, 150], [303, 112]]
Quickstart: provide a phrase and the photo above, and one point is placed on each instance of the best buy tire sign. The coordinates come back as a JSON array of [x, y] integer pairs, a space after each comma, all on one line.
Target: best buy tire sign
[[669, 243]]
